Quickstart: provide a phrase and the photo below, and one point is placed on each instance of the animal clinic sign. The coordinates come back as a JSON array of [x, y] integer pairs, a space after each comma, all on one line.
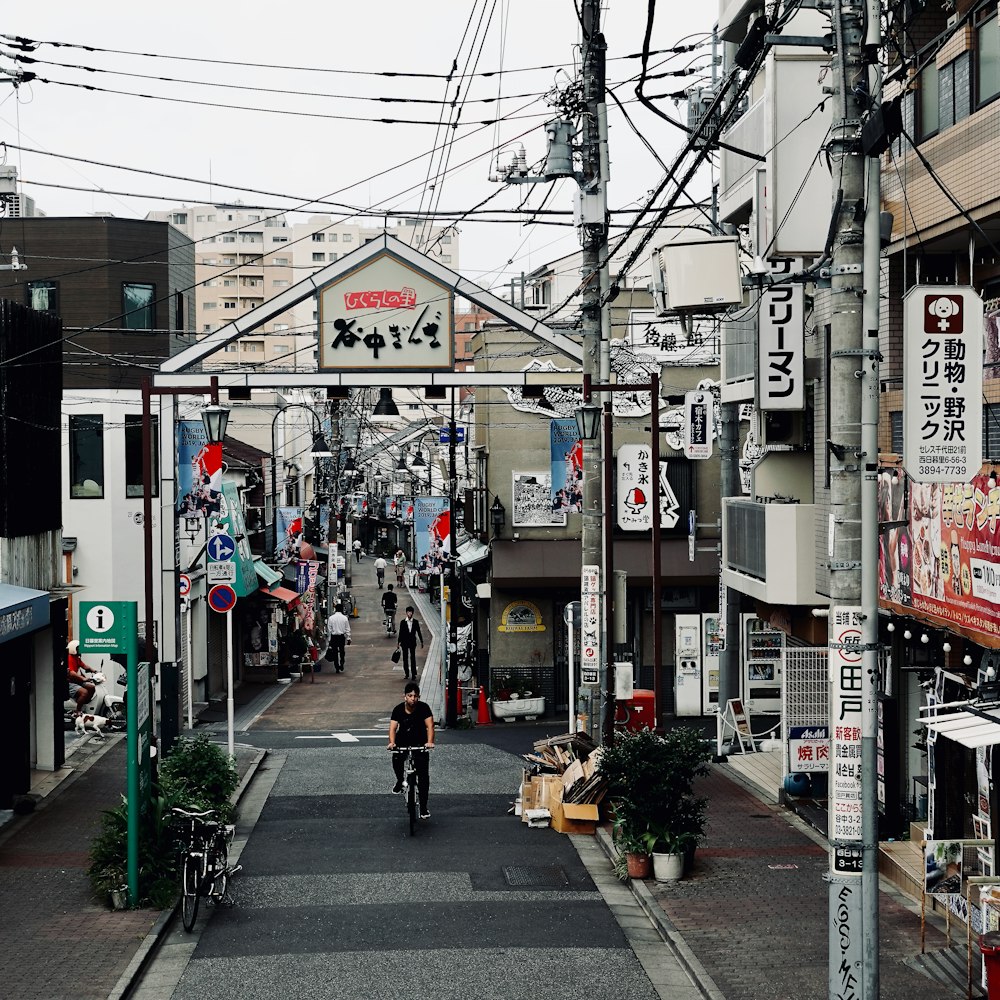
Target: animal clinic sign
[[386, 316], [942, 383]]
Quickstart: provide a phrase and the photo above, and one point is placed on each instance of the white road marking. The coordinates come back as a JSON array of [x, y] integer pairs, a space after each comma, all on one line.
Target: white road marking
[[344, 737]]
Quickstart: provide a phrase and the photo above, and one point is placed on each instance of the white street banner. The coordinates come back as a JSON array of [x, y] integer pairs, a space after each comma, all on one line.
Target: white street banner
[[942, 383], [698, 424], [590, 624], [849, 694], [637, 489], [386, 316], [781, 336]]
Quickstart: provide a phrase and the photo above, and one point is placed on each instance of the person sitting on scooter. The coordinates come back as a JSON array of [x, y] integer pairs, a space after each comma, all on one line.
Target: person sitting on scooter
[[81, 687], [389, 601]]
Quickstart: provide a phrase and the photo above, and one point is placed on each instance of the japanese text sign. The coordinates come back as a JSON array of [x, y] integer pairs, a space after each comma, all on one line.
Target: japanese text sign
[[781, 340], [698, 406], [942, 383], [850, 691], [637, 489], [590, 624], [386, 316]]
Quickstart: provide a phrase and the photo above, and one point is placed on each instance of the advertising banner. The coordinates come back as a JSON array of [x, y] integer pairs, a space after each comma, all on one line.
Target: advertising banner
[[637, 488], [942, 383], [400, 507], [432, 532], [533, 503], [781, 338], [698, 408], [567, 465], [230, 522], [199, 471], [288, 533], [939, 550]]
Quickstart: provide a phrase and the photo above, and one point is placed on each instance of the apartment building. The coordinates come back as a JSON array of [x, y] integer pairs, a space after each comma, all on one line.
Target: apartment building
[[245, 256]]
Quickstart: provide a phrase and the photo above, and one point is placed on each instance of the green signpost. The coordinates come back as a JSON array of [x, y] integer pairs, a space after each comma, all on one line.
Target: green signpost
[[111, 627]]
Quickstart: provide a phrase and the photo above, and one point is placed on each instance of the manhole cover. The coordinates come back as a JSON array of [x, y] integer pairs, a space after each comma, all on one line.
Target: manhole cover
[[529, 877]]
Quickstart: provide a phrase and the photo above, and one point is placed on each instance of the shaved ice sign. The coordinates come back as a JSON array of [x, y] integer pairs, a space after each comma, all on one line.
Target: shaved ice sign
[[637, 490]]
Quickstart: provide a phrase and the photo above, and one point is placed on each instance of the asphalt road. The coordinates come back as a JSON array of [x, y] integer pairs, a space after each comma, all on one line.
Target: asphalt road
[[336, 900]]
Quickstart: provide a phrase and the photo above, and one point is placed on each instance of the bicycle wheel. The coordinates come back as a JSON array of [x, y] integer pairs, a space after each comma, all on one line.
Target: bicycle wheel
[[411, 801], [191, 885], [218, 864]]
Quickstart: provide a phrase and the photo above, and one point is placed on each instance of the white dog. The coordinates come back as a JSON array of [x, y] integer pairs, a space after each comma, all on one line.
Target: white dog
[[91, 724]]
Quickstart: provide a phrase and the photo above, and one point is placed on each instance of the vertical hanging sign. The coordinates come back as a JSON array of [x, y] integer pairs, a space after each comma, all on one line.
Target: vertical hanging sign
[[590, 624], [850, 692], [942, 383], [698, 424], [781, 351]]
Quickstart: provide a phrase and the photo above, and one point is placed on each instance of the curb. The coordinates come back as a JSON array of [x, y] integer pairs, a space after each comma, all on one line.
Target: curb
[[671, 936], [136, 967]]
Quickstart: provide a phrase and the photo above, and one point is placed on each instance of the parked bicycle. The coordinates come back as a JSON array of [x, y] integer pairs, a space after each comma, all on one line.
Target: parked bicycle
[[205, 868], [410, 782]]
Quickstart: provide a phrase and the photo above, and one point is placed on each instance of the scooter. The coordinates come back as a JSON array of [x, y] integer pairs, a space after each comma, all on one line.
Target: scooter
[[103, 702]]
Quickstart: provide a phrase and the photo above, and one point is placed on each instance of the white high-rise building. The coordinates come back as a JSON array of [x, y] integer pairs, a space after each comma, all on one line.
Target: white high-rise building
[[245, 256]]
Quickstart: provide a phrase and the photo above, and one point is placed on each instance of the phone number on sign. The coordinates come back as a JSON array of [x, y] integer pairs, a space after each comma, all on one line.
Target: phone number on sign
[[942, 470]]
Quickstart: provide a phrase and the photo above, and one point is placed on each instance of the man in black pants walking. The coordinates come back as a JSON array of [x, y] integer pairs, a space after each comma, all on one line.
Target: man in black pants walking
[[412, 725], [409, 633]]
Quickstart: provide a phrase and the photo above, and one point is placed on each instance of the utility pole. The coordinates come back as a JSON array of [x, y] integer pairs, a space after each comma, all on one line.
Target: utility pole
[[332, 500], [853, 458], [594, 239]]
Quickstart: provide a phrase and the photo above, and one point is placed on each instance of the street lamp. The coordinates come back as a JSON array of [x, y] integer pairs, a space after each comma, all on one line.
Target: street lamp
[[498, 516], [386, 405]]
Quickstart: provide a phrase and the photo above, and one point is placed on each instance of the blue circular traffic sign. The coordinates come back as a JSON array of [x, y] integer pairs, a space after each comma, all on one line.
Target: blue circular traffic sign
[[222, 598], [221, 547]]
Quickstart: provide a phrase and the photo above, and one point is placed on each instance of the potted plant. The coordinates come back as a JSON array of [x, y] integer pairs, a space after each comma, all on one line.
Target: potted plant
[[650, 780]]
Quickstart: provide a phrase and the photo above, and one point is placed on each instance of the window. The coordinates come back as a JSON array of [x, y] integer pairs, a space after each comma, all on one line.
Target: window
[[179, 311], [318, 257], [208, 305], [254, 346], [179, 218], [253, 218], [199, 218], [228, 282], [281, 261], [446, 258], [988, 60], [318, 237], [229, 305], [896, 431], [280, 348], [445, 239], [928, 113], [991, 431], [279, 239], [348, 238], [228, 260], [279, 283], [86, 456], [133, 457], [280, 326], [228, 238], [233, 348], [332, 237], [331, 256], [138, 305], [206, 328], [211, 218], [44, 296]]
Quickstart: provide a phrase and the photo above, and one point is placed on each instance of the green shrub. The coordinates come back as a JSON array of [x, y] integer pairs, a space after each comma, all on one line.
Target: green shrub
[[198, 775]]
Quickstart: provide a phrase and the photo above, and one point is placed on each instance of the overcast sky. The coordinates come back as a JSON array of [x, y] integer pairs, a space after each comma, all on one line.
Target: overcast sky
[[325, 146]]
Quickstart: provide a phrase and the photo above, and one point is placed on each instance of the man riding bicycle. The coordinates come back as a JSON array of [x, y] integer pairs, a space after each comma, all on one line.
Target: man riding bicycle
[[380, 565], [389, 601], [412, 725]]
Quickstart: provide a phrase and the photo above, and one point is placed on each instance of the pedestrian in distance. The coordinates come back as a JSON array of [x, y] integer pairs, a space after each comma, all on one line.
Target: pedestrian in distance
[[409, 634], [357, 550], [338, 628], [380, 565], [399, 561], [412, 725]]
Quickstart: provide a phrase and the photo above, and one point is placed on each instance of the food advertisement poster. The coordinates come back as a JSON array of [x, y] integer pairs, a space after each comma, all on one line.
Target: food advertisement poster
[[939, 550]]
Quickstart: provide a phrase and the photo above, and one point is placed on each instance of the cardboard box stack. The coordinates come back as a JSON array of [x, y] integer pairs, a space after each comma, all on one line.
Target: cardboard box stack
[[561, 788]]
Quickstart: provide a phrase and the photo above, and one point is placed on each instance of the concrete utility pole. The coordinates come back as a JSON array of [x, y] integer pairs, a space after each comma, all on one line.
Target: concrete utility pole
[[594, 240], [853, 457]]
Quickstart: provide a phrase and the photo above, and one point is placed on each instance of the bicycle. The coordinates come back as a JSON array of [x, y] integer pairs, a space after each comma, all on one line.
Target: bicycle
[[410, 781], [389, 622], [205, 868]]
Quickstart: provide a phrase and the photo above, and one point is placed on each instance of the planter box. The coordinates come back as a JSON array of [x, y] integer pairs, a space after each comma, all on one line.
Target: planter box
[[530, 708]]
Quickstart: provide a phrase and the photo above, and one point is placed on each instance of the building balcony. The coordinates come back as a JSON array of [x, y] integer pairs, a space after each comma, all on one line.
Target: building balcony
[[769, 550]]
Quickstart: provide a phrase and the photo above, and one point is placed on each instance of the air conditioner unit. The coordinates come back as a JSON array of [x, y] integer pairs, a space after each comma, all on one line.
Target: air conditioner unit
[[697, 275]]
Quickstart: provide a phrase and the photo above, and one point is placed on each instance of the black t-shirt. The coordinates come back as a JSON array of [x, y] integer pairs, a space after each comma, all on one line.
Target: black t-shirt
[[389, 600], [412, 731]]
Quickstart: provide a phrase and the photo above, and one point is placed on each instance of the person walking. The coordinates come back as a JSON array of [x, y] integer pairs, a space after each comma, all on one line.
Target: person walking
[[412, 725], [380, 565], [338, 628], [399, 561], [357, 550], [409, 633]]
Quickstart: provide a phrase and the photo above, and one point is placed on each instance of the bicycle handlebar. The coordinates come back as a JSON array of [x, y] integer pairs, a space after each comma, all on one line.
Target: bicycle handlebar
[[192, 815], [409, 749]]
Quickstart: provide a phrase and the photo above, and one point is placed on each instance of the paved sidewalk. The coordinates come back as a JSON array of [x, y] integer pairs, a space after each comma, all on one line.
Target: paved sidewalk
[[58, 942]]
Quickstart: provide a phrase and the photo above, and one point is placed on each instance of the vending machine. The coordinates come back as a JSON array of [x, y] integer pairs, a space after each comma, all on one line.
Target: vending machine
[[687, 669], [712, 641], [763, 653]]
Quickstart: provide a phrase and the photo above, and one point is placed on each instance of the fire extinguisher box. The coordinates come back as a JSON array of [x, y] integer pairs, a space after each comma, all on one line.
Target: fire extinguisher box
[[639, 711]]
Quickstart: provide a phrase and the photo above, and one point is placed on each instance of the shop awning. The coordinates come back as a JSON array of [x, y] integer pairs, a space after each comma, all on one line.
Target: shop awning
[[472, 552], [22, 610], [972, 727], [281, 594], [268, 575]]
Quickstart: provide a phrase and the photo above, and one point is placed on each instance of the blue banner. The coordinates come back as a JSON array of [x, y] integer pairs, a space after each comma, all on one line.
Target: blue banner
[[288, 533], [199, 471], [567, 466]]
